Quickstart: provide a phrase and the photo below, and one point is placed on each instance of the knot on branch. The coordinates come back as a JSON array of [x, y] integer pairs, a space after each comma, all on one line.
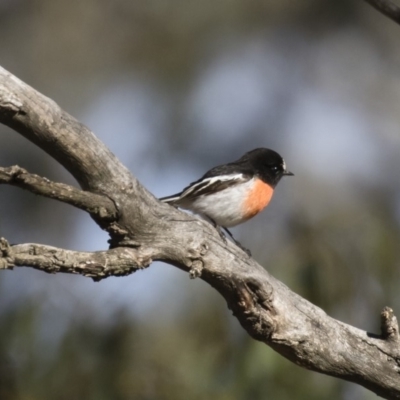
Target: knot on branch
[[195, 260], [119, 237], [4, 247], [10, 103], [254, 308], [13, 172], [5, 252], [389, 325]]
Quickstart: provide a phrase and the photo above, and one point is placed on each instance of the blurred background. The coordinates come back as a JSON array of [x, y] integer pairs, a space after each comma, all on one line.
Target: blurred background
[[174, 88]]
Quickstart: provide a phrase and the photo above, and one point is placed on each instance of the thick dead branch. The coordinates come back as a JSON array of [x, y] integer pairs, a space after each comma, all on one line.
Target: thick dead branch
[[99, 206], [97, 265], [265, 307], [71, 143], [387, 8]]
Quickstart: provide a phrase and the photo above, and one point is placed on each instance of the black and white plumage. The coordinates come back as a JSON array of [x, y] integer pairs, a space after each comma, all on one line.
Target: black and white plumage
[[232, 193]]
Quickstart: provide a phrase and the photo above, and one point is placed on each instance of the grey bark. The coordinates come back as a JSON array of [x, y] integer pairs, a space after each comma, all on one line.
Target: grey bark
[[142, 229]]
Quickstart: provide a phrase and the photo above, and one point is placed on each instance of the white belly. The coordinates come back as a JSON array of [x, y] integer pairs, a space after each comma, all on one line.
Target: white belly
[[224, 207]]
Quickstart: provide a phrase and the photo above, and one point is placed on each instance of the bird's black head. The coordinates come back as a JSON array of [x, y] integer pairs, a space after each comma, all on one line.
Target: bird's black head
[[268, 164]]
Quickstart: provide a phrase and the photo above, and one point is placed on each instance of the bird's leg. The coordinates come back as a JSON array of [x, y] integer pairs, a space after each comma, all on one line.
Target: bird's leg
[[218, 228], [221, 233], [246, 250]]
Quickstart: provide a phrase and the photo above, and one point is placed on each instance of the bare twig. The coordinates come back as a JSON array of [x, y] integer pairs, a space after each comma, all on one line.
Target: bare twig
[[97, 205], [387, 8], [97, 265]]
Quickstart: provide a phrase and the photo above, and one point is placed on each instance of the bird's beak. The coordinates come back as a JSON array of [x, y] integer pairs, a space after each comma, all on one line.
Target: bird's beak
[[288, 173]]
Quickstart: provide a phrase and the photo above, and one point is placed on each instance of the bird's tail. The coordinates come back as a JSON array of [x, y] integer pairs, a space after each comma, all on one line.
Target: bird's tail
[[171, 199]]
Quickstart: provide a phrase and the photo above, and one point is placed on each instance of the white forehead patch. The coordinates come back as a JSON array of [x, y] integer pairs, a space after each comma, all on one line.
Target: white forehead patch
[[284, 165]]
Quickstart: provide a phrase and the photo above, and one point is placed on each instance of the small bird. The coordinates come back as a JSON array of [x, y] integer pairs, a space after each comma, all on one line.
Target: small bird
[[230, 194]]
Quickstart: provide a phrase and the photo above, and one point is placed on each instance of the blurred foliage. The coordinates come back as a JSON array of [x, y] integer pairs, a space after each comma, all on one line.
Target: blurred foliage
[[198, 359], [333, 238]]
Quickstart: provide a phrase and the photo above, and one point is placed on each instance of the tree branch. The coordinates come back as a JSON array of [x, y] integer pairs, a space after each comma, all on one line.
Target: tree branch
[[97, 265], [265, 307], [71, 143], [387, 8], [98, 206]]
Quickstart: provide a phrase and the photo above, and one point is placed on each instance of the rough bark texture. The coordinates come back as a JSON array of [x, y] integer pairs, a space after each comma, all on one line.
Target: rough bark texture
[[96, 205], [142, 229], [97, 265]]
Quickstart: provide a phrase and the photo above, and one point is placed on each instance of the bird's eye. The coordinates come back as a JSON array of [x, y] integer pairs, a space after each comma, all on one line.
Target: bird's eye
[[275, 168]]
